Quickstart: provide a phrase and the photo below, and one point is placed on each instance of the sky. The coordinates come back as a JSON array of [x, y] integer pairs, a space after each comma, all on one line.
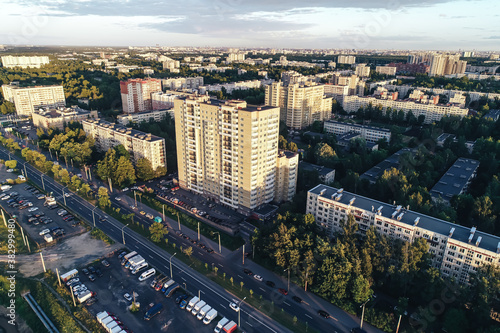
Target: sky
[[325, 24]]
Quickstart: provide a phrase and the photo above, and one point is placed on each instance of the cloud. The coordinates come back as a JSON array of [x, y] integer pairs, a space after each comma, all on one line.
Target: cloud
[[493, 37]]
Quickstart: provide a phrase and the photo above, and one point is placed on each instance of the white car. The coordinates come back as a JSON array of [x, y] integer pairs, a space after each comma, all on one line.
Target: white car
[[6, 197], [32, 209], [67, 195], [258, 278], [125, 189], [43, 232], [118, 199], [234, 306], [127, 297], [10, 170]]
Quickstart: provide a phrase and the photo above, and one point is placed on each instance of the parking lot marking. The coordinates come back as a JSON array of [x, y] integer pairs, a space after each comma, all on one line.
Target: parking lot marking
[[308, 316]]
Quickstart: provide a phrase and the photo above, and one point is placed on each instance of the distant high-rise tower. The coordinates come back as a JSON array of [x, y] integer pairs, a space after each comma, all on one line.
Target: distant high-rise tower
[[442, 64], [136, 94]]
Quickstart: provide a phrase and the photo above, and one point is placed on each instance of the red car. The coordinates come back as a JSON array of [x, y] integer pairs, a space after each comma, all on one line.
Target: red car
[[283, 291]]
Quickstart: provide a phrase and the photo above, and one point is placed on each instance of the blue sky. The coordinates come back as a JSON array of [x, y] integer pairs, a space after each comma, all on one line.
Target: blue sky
[[357, 24]]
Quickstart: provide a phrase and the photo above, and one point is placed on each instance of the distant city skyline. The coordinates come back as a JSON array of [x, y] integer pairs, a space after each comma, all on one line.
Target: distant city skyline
[[357, 24]]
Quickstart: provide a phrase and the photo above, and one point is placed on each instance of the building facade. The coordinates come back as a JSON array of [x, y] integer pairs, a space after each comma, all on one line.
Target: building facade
[[300, 104], [29, 99], [442, 64], [362, 70], [227, 151], [139, 117], [136, 94], [287, 166], [369, 133], [60, 117], [432, 112], [456, 251], [178, 83], [386, 70], [24, 62], [346, 59], [325, 175], [137, 143]]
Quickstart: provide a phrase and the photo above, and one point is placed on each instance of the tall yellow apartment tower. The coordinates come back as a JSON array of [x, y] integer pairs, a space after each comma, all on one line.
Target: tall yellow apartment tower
[[227, 150]]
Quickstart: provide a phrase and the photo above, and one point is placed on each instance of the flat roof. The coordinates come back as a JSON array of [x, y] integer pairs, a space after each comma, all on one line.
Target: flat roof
[[313, 167], [390, 162], [493, 114], [455, 179], [461, 233], [122, 129], [444, 136], [359, 126]]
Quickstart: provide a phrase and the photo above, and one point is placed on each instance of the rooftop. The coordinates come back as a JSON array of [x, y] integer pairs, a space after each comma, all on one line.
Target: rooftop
[[391, 162], [313, 167], [287, 153], [493, 114], [455, 179], [461, 233], [61, 112], [124, 130]]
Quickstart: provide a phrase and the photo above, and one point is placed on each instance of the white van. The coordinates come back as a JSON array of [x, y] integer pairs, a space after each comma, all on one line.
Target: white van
[[192, 302], [147, 274], [221, 324], [209, 316], [203, 311], [140, 267], [198, 307]]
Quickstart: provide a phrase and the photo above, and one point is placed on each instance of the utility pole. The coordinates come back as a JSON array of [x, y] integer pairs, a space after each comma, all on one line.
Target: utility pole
[[27, 243], [171, 264], [243, 254], [72, 295], [164, 219], [179, 221], [198, 231], [58, 277], [239, 311], [43, 184], [22, 235], [3, 217], [110, 185]]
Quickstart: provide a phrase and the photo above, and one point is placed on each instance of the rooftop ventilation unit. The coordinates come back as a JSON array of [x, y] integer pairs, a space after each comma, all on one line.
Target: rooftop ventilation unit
[[416, 221], [340, 190], [339, 196], [394, 214], [452, 230], [400, 216], [352, 201], [478, 240], [322, 192]]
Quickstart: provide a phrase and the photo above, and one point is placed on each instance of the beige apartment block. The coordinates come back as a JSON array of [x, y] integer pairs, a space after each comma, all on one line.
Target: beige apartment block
[[60, 117], [227, 150], [287, 167], [29, 99], [137, 143], [24, 61]]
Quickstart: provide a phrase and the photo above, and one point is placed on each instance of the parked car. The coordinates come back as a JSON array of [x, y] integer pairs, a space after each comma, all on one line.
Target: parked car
[[44, 231], [247, 271], [270, 284], [258, 278], [234, 306], [297, 299], [323, 314], [283, 291], [33, 209], [105, 263]]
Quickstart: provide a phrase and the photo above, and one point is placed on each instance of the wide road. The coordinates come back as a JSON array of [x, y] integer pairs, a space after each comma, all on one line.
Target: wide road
[[251, 319]]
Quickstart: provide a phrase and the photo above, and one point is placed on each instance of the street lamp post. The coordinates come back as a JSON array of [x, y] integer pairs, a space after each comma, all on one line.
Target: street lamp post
[[171, 264], [93, 216], [239, 311], [25, 172], [363, 312], [135, 198], [220, 251], [288, 269], [64, 196], [43, 184], [123, 234]]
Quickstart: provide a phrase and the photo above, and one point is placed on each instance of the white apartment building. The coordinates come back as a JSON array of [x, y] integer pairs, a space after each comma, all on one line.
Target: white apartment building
[[178, 83], [432, 112], [59, 117], [139, 117], [162, 100], [227, 151], [287, 167], [300, 104], [235, 57], [231, 86], [171, 64], [369, 133], [442, 64], [29, 99], [346, 59], [137, 143], [362, 70], [456, 251], [24, 62], [386, 70]]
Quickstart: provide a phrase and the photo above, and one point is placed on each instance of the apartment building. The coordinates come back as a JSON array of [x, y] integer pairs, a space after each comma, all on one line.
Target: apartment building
[[24, 62], [136, 94], [171, 64], [386, 70], [29, 99], [346, 59], [325, 175], [362, 70], [301, 104], [442, 64], [456, 180], [178, 83], [369, 133], [139, 117], [227, 150], [235, 57], [432, 112], [287, 165], [137, 143], [456, 251], [58, 118], [162, 100]]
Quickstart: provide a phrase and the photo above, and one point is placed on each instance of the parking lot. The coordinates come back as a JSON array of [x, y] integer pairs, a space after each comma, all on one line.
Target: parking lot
[[27, 203], [115, 281]]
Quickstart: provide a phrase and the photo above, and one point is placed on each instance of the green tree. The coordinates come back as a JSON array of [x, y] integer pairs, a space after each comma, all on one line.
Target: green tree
[[157, 231], [124, 174], [144, 169], [103, 200], [361, 289]]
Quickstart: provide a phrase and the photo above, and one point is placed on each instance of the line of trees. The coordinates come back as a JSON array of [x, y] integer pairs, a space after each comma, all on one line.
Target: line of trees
[[349, 268]]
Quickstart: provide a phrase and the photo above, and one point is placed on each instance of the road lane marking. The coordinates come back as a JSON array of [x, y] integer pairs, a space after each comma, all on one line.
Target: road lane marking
[[286, 303], [249, 324], [308, 316], [241, 277], [222, 306], [262, 289], [220, 265]]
